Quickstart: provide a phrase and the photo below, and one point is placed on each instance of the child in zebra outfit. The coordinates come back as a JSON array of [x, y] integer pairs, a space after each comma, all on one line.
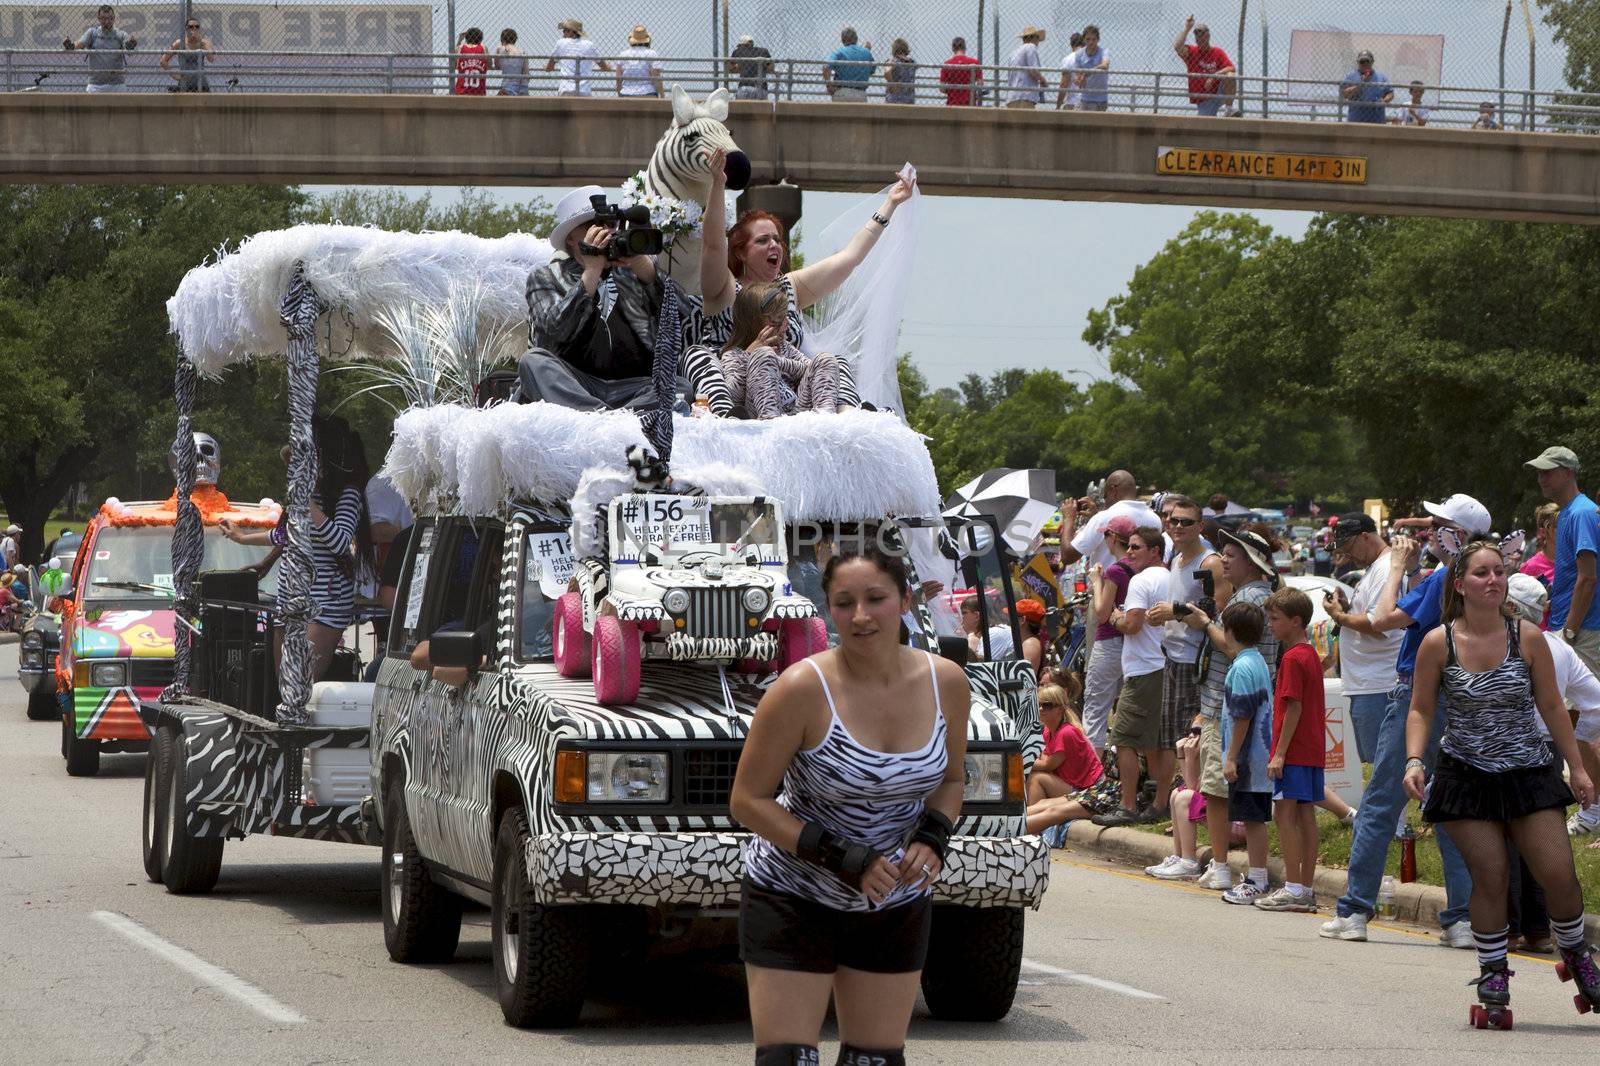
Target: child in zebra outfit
[[1495, 774], [767, 376]]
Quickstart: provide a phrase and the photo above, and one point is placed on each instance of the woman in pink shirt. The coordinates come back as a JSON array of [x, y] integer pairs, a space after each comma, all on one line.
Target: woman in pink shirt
[[1068, 780], [1541, 564]]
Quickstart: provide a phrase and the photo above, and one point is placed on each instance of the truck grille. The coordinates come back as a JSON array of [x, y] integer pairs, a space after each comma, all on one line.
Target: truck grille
[[715, 613], [708, 776], [150, 673]]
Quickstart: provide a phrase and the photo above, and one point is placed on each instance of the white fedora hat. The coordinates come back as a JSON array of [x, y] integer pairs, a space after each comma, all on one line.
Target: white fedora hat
[[572, 211]]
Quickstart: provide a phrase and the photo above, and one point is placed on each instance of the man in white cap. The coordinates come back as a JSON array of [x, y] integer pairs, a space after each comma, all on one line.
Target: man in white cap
[[578, 57], [1456, 521], [752, 65], [11, 547], [1574, 608], [591, 321]]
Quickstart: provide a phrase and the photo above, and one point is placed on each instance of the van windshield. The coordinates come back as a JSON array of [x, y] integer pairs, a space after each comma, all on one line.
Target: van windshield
[[135, 563]]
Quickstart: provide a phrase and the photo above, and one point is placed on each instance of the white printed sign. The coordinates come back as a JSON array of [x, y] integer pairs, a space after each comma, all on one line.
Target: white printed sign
[[550, 562], [658, 521], [419, 576]]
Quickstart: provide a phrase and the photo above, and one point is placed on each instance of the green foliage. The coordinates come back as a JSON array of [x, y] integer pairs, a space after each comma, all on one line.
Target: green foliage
[[392, 209], [1577, 26]]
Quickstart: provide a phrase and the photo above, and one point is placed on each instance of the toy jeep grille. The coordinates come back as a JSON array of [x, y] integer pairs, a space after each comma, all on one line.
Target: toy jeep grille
[[715, 613], [708, 776]]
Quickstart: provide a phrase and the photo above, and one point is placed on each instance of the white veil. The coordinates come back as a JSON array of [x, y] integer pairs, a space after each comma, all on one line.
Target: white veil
[[860, 321]]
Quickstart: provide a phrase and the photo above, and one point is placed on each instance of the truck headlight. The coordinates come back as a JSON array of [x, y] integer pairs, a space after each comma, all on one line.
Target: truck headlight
[[756, 600], [32, 639], [32, 657], [627, 776], [108, 675], [676, 601], [985, 777]]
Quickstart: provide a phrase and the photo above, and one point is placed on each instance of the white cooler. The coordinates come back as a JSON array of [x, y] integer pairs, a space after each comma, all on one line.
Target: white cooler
[[338, 776]]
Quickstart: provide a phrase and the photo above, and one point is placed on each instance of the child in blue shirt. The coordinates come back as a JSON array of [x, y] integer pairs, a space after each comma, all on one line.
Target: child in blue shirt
[[1247, 742]]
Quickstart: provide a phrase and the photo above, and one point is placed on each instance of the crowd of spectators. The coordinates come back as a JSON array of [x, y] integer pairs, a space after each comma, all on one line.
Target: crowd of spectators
[[1200, 698]]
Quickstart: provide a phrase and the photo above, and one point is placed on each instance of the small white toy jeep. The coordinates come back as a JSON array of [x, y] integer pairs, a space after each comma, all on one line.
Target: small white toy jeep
[[686, 578]]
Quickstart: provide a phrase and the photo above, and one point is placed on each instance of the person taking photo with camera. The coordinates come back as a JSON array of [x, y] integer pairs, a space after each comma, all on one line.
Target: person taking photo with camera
[[592, 315]]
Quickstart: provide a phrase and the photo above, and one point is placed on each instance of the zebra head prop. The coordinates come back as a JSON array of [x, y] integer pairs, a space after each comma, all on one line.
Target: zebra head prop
[[680, 167]]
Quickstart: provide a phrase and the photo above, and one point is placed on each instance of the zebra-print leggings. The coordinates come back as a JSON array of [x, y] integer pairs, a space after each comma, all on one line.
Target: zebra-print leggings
[[767, 382]]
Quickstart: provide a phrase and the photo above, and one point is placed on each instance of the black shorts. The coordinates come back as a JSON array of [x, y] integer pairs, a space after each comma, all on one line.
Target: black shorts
[[784, 932], [1249, 806]]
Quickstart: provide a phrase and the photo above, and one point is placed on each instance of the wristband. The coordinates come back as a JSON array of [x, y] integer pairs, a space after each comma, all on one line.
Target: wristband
[[934, 831], [1418, 763], [832, 852], [880, 220]]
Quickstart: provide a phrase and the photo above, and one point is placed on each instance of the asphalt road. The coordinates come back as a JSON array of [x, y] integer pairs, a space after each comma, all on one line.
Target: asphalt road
[[284, 963]]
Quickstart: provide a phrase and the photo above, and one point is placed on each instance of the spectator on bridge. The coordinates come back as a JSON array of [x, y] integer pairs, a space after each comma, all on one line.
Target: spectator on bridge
[[900, 74], [849, 69], [752, 64], [108, 49], [1026, 80], [1413, 113], [1486, 119], [512, 63], [1089, 65], [579, 58], [1366, 91], [1067, 97], [1210, 88], [639, 66], [959, 76], [192, 51], [472, 64]]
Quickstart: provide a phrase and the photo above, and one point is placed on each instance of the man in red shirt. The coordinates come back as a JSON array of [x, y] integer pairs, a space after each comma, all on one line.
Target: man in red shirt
[[958, 71], [1299, 750], [1209, 91], [472, 64]]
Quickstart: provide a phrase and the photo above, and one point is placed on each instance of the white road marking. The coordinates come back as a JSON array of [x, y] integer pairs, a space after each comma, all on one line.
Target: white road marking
[[1086, 979], [218, 978]]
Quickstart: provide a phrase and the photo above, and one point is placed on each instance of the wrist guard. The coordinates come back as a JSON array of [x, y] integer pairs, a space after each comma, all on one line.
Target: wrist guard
[[934, 830], [830, 851]]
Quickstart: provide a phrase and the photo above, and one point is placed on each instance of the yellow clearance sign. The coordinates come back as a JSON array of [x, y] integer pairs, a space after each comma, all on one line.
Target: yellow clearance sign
[[1261, 166]]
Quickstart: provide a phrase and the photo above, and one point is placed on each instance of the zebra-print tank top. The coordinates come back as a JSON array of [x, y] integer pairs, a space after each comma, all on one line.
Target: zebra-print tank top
[[1491, 717], [713, 331], [866, 796]]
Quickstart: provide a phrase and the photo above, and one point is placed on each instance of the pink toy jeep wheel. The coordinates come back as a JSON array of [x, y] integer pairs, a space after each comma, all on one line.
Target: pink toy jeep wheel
[[568, 641], [616, 660], [800, 638]]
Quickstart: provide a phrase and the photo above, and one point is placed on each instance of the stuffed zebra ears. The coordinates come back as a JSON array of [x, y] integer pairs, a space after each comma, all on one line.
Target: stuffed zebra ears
[[716, 105], [683, 107]]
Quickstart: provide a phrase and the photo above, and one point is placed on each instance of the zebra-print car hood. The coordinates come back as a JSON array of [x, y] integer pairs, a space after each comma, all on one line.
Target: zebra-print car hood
[[685, 702]]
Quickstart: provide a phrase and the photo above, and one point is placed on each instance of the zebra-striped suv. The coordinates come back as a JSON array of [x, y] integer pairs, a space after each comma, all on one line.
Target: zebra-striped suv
[[589, 827]]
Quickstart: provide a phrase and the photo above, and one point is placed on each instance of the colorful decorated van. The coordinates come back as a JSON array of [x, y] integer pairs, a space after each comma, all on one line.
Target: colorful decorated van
[[117, 619]]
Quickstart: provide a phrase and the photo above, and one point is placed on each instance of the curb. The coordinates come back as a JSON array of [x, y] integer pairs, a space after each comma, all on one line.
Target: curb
[[1415, 903]]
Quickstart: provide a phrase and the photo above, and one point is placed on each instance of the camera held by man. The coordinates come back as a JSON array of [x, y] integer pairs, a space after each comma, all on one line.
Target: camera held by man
[[631, 232]]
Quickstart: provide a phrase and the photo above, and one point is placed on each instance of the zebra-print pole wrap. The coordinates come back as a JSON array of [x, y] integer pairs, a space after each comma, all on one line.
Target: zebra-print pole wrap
[[299, 311], [664, 370], [188, 533]]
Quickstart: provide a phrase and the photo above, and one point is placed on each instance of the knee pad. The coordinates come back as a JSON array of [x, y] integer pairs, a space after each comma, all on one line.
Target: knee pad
[[850, 1055], [787, 1055]]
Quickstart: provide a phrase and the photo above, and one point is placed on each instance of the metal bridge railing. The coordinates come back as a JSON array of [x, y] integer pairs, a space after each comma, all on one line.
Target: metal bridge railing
[[787, 79]]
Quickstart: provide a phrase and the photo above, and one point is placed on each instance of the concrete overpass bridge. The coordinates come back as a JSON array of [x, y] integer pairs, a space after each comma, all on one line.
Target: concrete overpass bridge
[[1129, 157]]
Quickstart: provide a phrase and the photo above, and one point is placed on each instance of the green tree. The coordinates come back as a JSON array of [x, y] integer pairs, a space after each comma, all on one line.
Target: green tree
[[1577, 26]]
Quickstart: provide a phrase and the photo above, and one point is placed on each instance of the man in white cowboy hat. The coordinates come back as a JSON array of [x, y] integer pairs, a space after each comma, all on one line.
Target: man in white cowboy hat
[[578, 57], [1025, 78], [751, 64], [639, 66], [591, 321]]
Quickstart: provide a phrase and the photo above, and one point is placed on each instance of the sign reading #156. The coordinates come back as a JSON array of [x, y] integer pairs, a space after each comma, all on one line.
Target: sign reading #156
[[1261, 166], [239, 27]]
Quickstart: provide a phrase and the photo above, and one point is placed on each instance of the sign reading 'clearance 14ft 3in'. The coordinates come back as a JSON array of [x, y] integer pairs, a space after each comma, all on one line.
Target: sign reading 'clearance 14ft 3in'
[[1261, 166]]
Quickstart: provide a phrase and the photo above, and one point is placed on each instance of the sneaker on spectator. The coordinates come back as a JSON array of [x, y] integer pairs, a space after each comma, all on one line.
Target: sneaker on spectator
[[1152, 815], [1119, 817], [1243, 894], [1163, 864], [1345, 927], [1579, 826], [1182, 870], [1217, 876], [1457, 936], [1284, 900]]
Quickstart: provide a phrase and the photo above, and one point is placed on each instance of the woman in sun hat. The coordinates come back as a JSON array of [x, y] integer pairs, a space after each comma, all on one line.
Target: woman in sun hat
[[639, 66]]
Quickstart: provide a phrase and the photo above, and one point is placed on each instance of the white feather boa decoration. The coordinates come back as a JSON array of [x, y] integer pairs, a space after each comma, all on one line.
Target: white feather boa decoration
[[846, 467], [226, 311]]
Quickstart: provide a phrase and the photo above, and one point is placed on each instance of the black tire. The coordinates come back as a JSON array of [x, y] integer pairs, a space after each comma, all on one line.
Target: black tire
[[974, 960], [83, 756], [189, 864], [157, 787], [540, 955], [43, 706], [421, 919]]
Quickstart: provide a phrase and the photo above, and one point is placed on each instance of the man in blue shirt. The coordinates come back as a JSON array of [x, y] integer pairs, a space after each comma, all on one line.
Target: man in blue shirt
[[1366, 90], [1574, 608], [848, 70], [1418, 613]]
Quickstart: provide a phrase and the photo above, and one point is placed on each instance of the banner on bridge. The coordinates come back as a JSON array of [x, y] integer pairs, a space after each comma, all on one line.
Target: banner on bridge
[[1261, 166], [1327, 56]]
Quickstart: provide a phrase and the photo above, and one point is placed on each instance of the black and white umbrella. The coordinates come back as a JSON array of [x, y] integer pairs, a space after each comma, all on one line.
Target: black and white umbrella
[[1021, 502]]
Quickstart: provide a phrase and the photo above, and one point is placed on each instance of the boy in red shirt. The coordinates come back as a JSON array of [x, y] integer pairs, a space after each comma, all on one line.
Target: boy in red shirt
[[959, 73], [472, 64], [1298, 750]]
